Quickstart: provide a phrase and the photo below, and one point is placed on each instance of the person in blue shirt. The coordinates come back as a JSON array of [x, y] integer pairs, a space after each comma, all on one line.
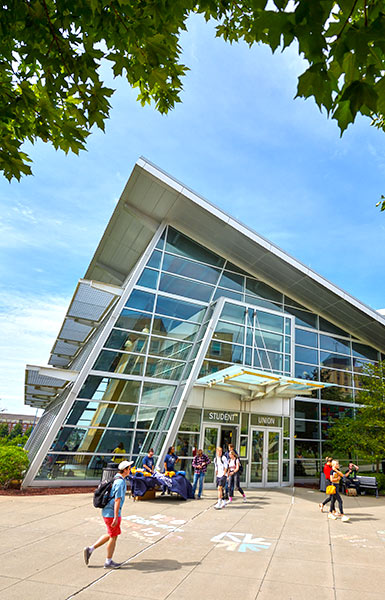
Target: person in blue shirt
[[112, 515], [170, 461], [149, 462]]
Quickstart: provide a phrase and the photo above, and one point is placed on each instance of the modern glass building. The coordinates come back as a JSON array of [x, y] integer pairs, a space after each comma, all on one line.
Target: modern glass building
[[190, 329]]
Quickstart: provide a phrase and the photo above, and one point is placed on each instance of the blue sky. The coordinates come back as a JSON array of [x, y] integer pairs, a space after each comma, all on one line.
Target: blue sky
[[240, 140]]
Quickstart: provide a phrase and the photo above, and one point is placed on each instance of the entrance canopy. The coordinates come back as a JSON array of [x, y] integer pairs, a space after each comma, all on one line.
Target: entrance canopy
[[252, 384]]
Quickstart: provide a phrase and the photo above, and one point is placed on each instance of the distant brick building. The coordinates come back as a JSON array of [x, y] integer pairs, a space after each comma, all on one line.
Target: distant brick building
[[25, 420]]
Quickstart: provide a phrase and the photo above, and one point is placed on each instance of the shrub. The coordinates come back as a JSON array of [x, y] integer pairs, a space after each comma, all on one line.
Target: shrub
[[13, 462]]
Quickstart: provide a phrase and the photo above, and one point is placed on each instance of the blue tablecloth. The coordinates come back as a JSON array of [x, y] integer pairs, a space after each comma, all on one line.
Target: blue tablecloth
[[180, 485]]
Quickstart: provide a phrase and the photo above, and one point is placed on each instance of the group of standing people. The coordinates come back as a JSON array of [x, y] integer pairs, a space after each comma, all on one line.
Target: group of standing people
[[333, 478]]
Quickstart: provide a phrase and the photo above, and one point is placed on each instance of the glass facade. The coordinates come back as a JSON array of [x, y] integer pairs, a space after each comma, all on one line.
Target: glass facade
[[130, 395]]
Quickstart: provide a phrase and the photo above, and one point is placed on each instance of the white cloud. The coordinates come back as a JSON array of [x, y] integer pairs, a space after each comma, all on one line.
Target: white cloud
[[29, 325]]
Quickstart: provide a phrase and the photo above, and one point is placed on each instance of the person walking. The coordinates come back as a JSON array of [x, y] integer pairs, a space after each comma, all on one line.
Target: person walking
[[326, 471], [233, 476], [199, 463], [111, 514], [335, 478], [221, 469]]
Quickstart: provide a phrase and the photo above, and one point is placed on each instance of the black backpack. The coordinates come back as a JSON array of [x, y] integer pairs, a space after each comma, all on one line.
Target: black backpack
[[102, 494]]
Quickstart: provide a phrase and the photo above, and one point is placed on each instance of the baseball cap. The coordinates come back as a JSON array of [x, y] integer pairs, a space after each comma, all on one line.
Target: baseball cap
[[125, 464]]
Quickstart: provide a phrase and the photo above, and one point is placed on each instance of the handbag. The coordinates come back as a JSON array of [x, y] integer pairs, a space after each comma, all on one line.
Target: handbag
[[331, 490]]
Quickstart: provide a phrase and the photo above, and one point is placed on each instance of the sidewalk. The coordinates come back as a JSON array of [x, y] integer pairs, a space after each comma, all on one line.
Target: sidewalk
[[276, 546]]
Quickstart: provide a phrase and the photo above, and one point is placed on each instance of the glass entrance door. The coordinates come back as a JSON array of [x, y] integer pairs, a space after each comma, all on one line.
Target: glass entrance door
[[211, 438], [265, 458]]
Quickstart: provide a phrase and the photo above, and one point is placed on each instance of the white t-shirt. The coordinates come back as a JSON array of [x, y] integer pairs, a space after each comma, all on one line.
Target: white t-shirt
[[221, 464]]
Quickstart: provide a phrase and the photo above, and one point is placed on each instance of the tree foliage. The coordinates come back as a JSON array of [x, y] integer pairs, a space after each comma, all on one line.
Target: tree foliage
[[51, 52], [364, 433], [13, 463]]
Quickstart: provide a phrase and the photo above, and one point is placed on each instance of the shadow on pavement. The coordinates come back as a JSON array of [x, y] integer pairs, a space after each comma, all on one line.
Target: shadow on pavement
[[158, 566]]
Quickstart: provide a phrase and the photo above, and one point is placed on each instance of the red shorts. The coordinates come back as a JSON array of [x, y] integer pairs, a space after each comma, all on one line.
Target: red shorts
[[113, 531]]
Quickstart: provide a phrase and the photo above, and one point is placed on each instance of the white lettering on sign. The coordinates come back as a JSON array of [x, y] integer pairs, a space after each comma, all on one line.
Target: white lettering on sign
[[266, 420], [215, 416]]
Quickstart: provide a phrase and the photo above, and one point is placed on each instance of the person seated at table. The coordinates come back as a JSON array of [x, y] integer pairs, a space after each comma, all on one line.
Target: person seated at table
[[350, 477], [149, 462]]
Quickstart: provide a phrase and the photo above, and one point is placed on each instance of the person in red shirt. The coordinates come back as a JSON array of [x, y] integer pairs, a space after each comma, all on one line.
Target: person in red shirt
[[327, 468]]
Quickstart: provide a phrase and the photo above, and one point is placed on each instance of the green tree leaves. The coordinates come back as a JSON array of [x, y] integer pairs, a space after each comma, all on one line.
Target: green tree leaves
[[51, 52], [365, 433]]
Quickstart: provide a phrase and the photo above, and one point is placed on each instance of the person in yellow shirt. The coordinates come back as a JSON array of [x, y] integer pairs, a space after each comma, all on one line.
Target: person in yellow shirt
[[118, 451]]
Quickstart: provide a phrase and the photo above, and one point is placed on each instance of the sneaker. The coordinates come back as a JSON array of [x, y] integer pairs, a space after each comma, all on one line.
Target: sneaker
[[163, 493], [345, 519], [229, 500], [224, 503], [244, 499], [218, 505], [87, 554], [321, 507], [331, 516], [112, 565]]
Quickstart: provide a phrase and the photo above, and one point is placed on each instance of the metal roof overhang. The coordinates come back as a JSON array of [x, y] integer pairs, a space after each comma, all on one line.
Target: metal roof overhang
[[90, 303], [256, 385], [43, 384], [152, 197]]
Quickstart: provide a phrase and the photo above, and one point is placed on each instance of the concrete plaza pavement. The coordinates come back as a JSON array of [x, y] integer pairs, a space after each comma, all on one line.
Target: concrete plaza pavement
[[277, 545]]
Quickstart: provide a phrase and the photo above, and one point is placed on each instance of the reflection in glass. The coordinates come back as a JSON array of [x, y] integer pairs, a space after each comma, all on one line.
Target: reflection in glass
[[154, 260], [306, 410], [185, 287], [229, 332], [157, 394], [137, 321], [303, 318], [306, 355], [116, 362], [221, 292], [165, 347], [258, 288], [180, 309], [234, 313], [306, 372], [334, 345], [129, 342], [174, 329], [335, 361], [232, 281], [226, 352], [141, 300], [185, 246], [110, 390], [362, 351], [163, 369], [306, 429], [191, 420], [330, 328], [336, 377], [256, 466], [306, 338], [148, 279], [210, 366], [187, 268]]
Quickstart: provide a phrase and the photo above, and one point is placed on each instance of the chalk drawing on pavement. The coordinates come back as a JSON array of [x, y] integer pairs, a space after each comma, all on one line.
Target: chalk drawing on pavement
[[240, 542]]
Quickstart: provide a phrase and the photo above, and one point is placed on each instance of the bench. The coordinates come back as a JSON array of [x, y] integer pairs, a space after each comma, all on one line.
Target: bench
[[369, 483]]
